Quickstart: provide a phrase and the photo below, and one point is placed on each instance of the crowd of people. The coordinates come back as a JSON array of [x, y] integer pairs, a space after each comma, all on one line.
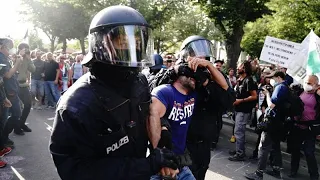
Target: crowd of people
[[258, 89], [111, 111], [31, 79]]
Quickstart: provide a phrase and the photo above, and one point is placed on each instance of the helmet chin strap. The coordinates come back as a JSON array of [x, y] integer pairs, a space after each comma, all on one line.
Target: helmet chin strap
[[111, 73]]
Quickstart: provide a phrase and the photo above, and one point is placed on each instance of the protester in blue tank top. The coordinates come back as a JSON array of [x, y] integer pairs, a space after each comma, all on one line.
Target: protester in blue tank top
[[175, 103], [179, 109]]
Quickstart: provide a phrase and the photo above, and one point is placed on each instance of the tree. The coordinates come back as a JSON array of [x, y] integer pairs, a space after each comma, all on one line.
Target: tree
[[34, 41], [255, 34], [40, 14], [189, 21], [168, 19], [172, 20], [291, 20], [230, 17], [59, 19], [74, 22]]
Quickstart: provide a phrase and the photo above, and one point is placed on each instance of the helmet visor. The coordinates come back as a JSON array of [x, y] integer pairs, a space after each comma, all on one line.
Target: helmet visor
[[128, 45], [199, 48]]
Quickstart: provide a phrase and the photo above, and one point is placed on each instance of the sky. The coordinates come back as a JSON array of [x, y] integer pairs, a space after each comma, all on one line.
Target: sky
[[11, 23], [11, 20]]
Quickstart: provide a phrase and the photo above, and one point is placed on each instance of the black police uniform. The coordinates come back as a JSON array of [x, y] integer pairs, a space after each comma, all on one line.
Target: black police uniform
[[211, 100], [100, 134], [100, 127]]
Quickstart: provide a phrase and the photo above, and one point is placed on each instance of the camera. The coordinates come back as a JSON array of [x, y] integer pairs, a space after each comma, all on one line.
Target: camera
[[264, 124], [201, 75]]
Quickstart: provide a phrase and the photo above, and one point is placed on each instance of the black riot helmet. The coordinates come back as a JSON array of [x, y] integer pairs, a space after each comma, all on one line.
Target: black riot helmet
[[120, 36], [196, 46]]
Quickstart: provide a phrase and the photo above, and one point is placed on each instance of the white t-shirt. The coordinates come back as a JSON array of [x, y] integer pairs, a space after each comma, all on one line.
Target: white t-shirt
[[77, 70], [232, 80]]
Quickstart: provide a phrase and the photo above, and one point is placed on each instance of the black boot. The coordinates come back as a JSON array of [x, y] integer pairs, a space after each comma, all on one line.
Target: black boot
[[25, 128]]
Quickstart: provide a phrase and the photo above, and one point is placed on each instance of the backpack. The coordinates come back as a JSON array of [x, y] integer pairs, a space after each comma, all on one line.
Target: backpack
[[164, 76], [294, 105]]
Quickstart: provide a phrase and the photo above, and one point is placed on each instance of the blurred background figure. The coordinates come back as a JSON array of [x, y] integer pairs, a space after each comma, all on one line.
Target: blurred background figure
[[169, 60], [76, 70], [37, 80], [64, 79], [24, 70]]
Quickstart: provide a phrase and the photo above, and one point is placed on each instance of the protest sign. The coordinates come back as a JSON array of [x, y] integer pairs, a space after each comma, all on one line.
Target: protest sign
[[278, 51], [307, 60]]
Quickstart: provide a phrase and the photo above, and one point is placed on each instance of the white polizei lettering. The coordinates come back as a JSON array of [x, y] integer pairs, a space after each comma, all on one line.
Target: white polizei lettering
[[172, 113], [109, 149], [124, 140], [117, 145]]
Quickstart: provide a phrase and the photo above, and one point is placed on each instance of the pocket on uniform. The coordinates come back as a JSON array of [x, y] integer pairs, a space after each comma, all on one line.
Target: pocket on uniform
[[144, 107], [111, 140]]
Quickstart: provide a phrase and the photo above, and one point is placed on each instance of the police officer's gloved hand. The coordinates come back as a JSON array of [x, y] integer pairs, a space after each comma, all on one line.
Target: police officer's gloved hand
[[160, 158], [165, 140]]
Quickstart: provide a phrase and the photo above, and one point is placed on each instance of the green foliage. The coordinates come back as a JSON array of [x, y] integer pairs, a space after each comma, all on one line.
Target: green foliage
[[76, 45], [291, 20], [253, 39], [187, 22], [232, 14], [34, 41], [172, 21], [230, 17], [58, 19]]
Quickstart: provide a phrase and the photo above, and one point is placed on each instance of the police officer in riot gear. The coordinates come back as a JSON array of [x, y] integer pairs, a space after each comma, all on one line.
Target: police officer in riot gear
[[213, 96], [100, 128]]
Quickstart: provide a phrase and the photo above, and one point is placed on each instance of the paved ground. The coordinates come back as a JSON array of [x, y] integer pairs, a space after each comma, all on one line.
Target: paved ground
[[31, 160], [222, 168]]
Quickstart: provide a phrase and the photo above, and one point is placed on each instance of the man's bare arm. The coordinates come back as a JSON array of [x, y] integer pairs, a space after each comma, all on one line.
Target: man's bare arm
[[57, 74], [13, 70], [270, 104], [157, 111], [217, 76]]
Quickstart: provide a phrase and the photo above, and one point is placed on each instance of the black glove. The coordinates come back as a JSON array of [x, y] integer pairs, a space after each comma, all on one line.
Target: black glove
[[160, 158], [166, 140], [185, 159]]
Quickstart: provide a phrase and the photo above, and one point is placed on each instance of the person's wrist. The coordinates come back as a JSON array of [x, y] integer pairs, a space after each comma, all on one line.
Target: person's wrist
[[164, 128]]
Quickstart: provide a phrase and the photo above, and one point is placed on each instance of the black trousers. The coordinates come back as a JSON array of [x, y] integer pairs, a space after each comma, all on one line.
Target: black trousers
[[25, 97], [303, 138], [200, 154], [269, 144], [217, 128]]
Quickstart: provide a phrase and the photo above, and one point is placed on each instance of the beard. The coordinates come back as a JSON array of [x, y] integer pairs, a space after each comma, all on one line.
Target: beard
[[240, 71], [189, 83]]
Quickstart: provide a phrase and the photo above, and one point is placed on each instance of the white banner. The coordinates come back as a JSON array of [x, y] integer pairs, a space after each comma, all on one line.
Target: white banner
[[307, 60], [279, 52]]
